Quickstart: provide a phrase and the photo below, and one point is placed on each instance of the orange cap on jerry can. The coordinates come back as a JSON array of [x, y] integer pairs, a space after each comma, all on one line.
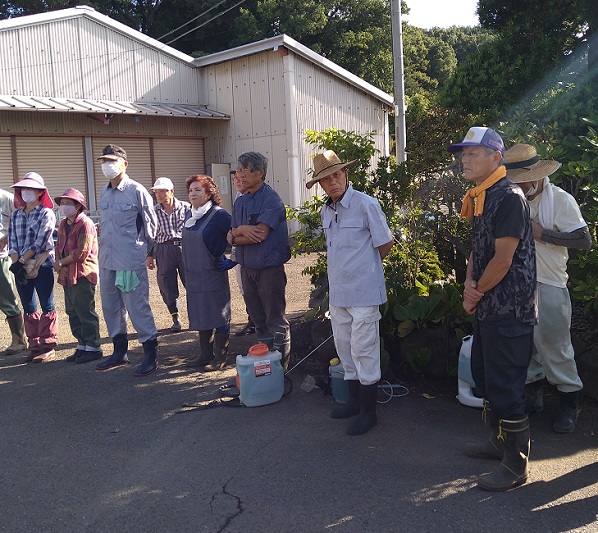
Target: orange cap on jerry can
[[259, 349]]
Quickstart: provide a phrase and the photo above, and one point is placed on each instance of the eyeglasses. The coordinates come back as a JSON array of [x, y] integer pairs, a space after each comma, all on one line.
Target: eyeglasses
[[242, 170]]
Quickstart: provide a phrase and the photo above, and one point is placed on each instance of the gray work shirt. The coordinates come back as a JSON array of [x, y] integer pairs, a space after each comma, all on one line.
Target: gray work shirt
[[354, 228], [7, 207], [265, 206], [127, 225]]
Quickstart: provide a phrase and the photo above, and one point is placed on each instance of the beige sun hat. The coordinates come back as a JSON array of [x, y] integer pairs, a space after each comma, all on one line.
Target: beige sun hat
[[326, 164], [524, 165]]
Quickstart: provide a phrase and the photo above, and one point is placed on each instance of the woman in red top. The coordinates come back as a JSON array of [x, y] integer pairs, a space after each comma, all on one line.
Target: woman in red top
[[77, 268]]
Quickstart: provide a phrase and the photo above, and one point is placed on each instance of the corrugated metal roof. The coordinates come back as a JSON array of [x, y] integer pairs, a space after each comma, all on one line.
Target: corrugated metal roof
[[42, 103], [273, 43], [90, 12]]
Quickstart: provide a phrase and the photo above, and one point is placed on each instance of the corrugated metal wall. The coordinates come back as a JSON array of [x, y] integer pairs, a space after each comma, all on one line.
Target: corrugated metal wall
[[79, 58], [252, 91], [325, 101]]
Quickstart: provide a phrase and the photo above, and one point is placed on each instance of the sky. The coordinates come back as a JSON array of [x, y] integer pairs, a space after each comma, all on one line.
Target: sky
[[441, 13]]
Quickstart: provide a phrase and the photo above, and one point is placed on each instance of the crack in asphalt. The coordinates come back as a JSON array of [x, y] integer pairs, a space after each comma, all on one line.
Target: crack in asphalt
[[239, 506]]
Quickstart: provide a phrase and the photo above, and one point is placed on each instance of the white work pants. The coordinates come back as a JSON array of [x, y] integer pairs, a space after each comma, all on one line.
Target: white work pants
[[553, 355], [357, 339]]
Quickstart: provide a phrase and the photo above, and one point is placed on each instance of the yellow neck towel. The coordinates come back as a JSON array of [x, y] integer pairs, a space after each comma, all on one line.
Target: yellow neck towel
[[479, 192]]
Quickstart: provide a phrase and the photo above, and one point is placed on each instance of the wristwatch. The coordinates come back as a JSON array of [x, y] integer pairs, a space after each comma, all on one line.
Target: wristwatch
[[60, 264]]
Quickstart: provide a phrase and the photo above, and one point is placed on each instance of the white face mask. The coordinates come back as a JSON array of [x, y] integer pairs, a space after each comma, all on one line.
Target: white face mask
[[111, 169], [67, 210], [29, 196]]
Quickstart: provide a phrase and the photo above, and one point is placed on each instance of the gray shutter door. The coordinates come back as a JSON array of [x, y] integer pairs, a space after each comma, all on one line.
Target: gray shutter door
[[5, 164], [59, 160], [178, 159]]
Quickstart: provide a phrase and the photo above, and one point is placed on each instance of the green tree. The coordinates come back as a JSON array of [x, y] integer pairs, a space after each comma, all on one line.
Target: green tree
[[534, 39]]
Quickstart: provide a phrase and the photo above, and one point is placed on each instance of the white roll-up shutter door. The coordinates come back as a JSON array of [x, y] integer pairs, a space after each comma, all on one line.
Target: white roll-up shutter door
[[138, 156], [5, 164], [178, 159], [59, 160]]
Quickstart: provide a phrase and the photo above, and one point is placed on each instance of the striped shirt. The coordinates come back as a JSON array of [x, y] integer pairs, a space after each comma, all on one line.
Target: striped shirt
[[81, 243], [170, 227], [32, 232]]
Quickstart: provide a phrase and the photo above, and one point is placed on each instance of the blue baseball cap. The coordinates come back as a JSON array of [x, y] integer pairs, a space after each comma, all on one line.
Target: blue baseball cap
[[479, 136]]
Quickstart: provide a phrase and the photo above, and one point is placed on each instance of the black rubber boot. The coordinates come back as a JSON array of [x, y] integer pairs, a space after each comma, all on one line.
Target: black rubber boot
[[176, 323], [492, 447], [568, 404], [284, 348], [149, 363], [119, 354], [513, 470], [206, 349], [220, 352], [17, 330], [366, 419], [534, 397], [351, 408]]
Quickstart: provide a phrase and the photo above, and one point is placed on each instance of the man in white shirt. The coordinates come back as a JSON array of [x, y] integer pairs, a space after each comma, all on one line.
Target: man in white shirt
[[357, 239], [557, 226]]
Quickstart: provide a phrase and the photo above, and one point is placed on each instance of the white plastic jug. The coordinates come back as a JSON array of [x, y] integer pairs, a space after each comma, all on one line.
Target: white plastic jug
[[261, 377], [465, 381]]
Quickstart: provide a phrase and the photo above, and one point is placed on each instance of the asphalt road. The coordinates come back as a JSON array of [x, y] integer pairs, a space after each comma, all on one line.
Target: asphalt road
[[85, 451]]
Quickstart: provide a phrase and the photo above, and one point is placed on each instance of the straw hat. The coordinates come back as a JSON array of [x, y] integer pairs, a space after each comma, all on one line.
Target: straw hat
[[72, 194], [326, 164], [31, 180], [524, 165]]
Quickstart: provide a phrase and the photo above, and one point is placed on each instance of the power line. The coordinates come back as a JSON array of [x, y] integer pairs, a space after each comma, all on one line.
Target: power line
[[206, 22], [192, 20]]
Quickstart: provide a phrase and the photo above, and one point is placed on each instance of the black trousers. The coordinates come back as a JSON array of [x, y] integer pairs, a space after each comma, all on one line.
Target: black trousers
[[500, 354]]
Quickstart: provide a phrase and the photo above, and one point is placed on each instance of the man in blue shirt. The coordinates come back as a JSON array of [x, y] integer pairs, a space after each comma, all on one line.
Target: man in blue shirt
[[357, 239], [260, 236], [127, 233]]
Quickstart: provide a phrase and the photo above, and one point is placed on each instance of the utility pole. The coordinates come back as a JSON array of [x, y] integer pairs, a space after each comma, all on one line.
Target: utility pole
[[399, 81]]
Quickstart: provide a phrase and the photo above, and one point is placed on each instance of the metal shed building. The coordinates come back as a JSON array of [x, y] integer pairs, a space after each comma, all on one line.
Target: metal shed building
[[75, 80]]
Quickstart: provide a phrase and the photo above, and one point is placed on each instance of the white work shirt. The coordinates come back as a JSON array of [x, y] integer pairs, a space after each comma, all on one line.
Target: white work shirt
[[551, 260], [354, 228]]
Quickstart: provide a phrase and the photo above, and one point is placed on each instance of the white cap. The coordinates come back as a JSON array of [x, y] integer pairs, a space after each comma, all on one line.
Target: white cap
[[163, 184]]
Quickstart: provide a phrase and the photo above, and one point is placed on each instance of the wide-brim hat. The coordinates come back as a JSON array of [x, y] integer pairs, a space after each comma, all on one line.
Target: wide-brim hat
[[524, 165], [326, 164], [72, 194], [31, 180]]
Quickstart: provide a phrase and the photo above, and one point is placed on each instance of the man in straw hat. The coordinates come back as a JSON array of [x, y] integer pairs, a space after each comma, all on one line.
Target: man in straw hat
[[557, 225], [357, 239], [167, 252], [500, 290]]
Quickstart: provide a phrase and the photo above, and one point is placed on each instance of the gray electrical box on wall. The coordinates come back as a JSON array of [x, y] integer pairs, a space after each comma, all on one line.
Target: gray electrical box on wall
[[220, 173]]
